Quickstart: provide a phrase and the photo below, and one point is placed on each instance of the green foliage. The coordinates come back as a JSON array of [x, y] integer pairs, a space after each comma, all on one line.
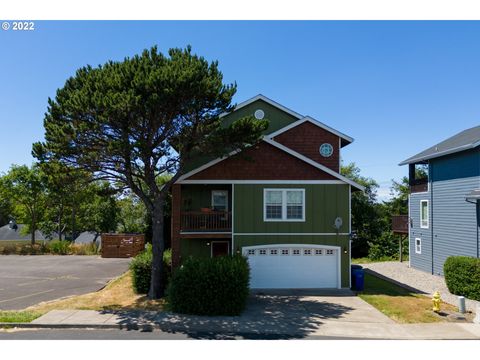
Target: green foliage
[[366, 221], [386, 246], [26, 190], [462, 275], [210, 286], [141, 268], [59, 247], [133, 217]]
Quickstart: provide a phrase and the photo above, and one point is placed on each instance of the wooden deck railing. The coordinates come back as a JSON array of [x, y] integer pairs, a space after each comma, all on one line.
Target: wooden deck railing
[[206, 221], [400, 224]]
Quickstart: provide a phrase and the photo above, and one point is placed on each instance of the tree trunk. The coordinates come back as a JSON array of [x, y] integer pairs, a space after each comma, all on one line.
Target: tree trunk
[[158, 246], [60, 213]]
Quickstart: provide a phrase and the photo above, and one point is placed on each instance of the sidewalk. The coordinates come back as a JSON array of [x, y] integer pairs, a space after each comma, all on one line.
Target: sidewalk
[[170, 322]]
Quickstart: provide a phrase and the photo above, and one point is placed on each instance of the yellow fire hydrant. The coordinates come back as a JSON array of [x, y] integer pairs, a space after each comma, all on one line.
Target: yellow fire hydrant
[[437, 300]]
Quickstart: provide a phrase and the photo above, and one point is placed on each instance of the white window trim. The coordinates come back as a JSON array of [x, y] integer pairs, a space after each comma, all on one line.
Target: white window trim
[[218, 191], [422, 226], [418, 248], [284, 205]]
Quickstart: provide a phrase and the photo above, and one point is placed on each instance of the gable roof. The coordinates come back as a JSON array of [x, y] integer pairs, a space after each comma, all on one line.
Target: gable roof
[[345, 138], [267, 100], [288, 151], [464, 140], [6, 233]]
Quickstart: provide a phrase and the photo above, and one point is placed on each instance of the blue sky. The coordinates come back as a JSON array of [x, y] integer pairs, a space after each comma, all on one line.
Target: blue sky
[[396, 87]]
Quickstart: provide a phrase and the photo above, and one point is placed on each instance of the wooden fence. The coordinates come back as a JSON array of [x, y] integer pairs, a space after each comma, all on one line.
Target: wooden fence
[[122, 245]]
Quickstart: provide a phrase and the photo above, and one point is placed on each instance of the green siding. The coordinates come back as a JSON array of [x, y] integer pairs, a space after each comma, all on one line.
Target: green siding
[[194, 247], [277, 120], [341, 240], [199, 196], [323, 203]]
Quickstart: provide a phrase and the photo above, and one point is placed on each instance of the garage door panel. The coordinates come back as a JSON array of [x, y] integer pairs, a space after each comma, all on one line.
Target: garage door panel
[[304, 267]]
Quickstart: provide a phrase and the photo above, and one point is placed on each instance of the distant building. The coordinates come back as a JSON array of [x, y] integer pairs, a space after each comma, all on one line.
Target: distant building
[[12, 234]]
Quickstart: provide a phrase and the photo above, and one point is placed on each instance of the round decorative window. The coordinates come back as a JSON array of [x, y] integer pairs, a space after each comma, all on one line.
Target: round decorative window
[[259, 114], [326, 150]]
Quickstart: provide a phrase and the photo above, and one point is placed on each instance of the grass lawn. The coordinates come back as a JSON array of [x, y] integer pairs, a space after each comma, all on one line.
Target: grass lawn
[[117, 295], [398, 303], [18, 316]]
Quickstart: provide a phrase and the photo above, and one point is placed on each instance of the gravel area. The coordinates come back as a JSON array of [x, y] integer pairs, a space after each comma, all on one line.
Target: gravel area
[[421, 281]]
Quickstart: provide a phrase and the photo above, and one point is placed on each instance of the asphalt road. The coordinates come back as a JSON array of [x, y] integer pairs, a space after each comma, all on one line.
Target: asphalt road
[[28, 280], [64, 334]]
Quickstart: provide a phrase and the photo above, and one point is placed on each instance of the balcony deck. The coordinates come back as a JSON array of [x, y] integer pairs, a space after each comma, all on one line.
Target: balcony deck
[[400, 224], [206, 221]]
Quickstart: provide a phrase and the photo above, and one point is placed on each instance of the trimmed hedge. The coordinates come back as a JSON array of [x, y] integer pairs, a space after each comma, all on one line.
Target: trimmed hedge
[[141, 268], [210, 286], [462, 275]]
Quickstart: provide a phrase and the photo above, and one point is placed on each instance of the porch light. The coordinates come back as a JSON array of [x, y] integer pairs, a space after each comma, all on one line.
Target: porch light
[[345, 251]]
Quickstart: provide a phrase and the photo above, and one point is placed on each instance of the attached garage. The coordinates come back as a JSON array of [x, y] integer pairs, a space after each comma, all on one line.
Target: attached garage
[[293, 266]]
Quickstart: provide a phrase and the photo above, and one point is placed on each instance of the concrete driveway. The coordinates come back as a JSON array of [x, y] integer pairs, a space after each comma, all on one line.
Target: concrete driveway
[[28, 280]]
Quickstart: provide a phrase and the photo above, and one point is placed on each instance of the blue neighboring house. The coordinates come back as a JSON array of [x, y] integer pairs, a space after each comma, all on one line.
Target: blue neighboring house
[[443, 202]]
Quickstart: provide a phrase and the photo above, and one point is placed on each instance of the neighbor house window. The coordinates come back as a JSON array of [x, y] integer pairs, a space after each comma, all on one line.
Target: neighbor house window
[[284, 205], [424, 214], [220, 200], [418, 246]]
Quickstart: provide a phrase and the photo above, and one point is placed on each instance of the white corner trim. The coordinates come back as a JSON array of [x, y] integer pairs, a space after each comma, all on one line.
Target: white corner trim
[[292, 233], [314, 163], [264, 182], [268, 101], [314, 122]]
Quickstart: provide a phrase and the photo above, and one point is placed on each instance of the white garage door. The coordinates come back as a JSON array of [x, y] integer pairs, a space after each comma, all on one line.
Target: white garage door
[[293, 266]]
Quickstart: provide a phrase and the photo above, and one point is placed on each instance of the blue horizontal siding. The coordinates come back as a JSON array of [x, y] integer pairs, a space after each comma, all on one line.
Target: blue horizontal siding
[[454, 219]]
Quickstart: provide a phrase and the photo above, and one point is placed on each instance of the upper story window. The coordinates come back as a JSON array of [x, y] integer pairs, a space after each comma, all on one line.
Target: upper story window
[[284, 205], [424, 214], [220, 200]]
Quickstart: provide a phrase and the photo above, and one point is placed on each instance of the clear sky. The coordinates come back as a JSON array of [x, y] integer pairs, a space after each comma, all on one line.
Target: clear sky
[[396, 87]]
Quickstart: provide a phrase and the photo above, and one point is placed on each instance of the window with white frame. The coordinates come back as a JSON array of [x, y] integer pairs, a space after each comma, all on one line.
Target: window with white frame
[[284, 205], [220, 200], [418, 246], [424, 214]]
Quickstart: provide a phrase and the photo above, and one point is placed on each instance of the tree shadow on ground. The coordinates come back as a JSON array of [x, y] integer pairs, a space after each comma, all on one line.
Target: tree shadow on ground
[[383, 285], [266, 317]]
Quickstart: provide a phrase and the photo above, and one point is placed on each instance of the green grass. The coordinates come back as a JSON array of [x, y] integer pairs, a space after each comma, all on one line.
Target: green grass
[[399, 303], [18, 316]]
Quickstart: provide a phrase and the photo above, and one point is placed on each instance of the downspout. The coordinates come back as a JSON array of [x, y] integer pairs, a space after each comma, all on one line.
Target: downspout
[[430, 208]]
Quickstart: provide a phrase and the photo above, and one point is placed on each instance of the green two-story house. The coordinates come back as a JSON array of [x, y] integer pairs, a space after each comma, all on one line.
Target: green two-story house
[[281, 203]]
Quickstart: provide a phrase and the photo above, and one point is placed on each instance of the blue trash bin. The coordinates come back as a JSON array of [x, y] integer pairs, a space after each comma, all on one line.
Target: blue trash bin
[[357, 277]]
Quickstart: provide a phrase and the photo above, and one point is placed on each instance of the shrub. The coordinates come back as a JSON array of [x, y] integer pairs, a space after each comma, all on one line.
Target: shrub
[[386, 247], [141, 267], [462, 275], [210, 286], [59, 247]]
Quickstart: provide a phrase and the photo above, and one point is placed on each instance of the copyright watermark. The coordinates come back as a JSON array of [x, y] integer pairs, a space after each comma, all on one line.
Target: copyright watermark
[[18, 25]]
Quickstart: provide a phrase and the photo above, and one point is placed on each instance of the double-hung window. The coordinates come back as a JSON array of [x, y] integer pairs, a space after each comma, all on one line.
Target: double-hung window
[[424, 214], [284, 205], [220, 200]]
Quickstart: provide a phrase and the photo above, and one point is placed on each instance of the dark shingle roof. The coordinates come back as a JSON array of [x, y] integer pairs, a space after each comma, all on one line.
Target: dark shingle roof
[[467, 139]]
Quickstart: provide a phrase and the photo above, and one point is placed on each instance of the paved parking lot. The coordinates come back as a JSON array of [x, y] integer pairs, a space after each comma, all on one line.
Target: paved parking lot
[[28, 280]]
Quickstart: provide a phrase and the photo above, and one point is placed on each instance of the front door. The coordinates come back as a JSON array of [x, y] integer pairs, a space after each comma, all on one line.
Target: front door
[[220, 248]]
